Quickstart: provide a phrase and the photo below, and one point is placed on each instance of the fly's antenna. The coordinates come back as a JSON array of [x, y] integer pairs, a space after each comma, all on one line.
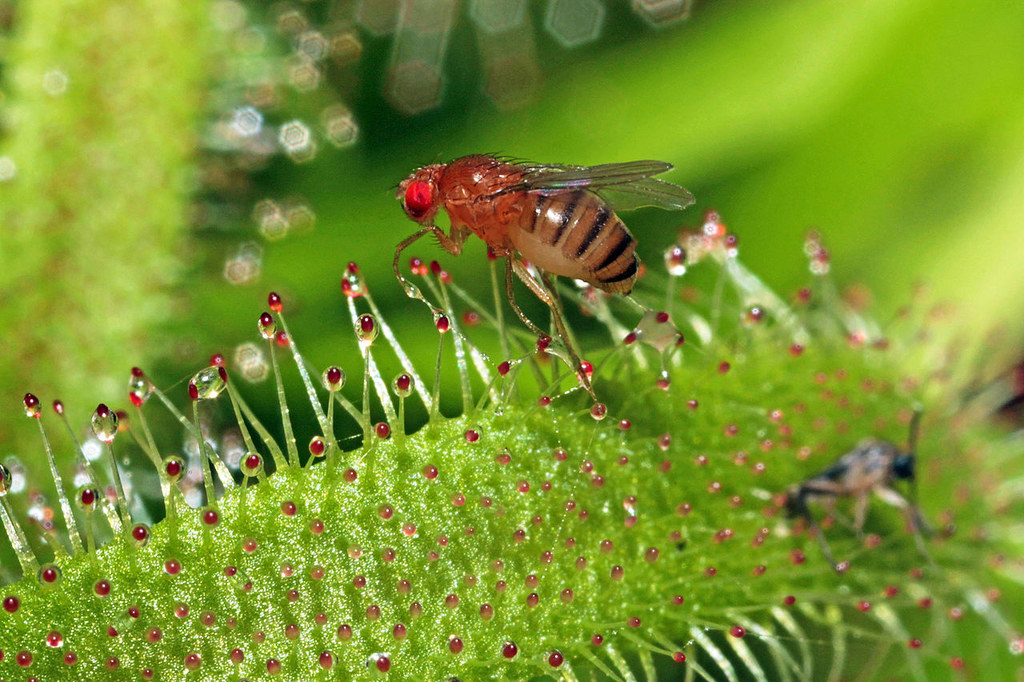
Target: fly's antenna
[[915, 429], [917, 519]]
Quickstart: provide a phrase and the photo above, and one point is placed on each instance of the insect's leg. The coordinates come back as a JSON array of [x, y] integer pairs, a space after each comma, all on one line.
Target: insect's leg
[[510, 293], [799, 507], [555, 304], [860, 512], [453, 243], [410, 291], [556, 316], [913, 514]]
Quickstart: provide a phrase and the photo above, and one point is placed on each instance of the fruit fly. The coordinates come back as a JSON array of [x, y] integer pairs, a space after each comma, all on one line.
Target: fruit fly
[[558, 218], [874, 466]]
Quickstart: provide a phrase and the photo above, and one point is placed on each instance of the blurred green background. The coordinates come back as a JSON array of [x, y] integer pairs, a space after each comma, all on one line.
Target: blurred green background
[[895, 127]]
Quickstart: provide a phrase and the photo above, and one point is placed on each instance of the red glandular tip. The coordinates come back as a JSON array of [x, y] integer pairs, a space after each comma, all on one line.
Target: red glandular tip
[[267, 324], [31, 405]]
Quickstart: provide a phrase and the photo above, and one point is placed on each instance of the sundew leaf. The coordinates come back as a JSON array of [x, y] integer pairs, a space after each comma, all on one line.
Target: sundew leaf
[[541, 534]]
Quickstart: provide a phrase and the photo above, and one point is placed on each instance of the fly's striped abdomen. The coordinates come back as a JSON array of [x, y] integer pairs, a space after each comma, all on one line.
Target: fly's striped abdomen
[[588, 236]]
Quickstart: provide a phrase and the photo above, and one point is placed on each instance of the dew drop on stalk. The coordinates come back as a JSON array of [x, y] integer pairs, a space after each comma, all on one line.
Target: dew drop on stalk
[[267, 326], [352, 283], [104, 423], [402, 385], [49, 575], [5, 480], [139, 387], [32, 408], [209, 383], [367, 330], [675, 261], [334, 379], [379, 661], [174, 467], [252, 464], [87, 498], [140, 534]]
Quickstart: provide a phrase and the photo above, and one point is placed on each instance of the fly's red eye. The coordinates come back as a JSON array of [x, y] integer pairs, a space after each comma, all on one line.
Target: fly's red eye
[[418, 197]]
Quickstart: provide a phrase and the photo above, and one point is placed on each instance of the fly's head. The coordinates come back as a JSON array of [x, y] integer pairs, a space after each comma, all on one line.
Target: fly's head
[[419, 194], [903, 466]]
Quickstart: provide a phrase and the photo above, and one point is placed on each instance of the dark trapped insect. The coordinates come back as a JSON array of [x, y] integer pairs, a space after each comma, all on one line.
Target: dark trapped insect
[[558, 218], [874, 466]]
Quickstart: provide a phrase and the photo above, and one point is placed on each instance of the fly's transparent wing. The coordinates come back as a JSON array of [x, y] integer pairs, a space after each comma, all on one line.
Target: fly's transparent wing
[[647, 192], [624, 185], [573, 177]]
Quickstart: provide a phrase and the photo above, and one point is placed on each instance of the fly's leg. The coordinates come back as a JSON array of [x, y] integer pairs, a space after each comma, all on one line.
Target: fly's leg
[[510, 294], [410, 290], [556, 306], [563, 331], [860, 512], [820, 535], [452, 245], [798, 506], [556, 315], [917, 524]]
